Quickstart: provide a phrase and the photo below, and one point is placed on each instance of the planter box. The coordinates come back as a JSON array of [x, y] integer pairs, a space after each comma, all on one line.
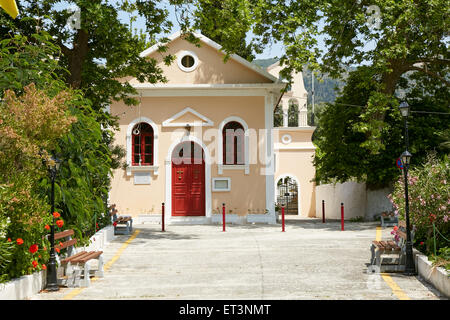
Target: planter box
[[24, 287], [27, 286], [100, 239], [437, 276]]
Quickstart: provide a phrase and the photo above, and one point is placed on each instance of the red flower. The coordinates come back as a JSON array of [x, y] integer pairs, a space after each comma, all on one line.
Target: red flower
[[44, 267], [9, 239], [60, 223], [56, 214], [33, 248], [19, 241], [47, 227], [60, 244], [421, 243], [395, 228], [35, 263], [115, 223], [57, 250]]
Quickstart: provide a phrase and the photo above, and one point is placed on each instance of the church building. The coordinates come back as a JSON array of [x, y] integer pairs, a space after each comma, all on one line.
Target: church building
[[207, 138]]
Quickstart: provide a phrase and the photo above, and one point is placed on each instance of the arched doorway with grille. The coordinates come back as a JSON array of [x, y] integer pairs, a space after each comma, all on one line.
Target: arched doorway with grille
[[287, 193]]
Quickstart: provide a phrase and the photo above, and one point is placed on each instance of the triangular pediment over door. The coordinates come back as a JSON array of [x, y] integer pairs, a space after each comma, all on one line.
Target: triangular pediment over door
[[188, 116]]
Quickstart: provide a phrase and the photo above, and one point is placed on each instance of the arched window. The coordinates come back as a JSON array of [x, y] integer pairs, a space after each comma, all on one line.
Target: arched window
[[233, 143], [142, 144], [293, 113], [278, 117]]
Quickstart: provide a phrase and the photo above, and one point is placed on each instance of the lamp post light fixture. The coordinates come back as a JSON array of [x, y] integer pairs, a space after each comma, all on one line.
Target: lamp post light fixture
[[406, 159], [404, 109], [53, 165]]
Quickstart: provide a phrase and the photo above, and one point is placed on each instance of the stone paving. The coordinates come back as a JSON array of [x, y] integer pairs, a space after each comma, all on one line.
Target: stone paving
[[310, 260]]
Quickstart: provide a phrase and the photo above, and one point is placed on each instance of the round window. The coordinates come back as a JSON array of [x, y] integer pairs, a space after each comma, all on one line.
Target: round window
[[187, 61]]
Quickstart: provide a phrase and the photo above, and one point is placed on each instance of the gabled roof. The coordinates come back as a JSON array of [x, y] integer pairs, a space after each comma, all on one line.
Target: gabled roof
[[216, 46]]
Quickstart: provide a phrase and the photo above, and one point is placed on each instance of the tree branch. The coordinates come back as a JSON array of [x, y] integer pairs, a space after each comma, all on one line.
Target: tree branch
[[65, 51], [430, 73], [433, 61]]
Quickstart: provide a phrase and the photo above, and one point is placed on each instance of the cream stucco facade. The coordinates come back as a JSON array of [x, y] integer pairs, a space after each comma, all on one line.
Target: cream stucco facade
[[204, 94]]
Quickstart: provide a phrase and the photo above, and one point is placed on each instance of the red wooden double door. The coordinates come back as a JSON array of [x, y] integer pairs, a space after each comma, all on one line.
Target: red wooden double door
[[188, 180]]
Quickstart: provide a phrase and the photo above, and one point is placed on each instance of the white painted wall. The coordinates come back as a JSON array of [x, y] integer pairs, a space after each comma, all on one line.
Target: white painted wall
[[358, 201], [377, 202], [352, 194]]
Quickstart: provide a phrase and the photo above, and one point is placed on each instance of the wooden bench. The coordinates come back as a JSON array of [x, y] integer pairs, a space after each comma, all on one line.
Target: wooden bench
[[388, 219], [122, 225], [392, 249], [73, 263]]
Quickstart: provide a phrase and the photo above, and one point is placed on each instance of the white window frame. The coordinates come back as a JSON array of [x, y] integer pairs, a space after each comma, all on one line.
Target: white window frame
[[246, 165], [214, 189], [155, 165], [187, 53]]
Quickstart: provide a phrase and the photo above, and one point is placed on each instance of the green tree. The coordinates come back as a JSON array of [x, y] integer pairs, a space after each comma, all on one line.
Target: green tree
[[103, 50], [342, 137], [227, 23]]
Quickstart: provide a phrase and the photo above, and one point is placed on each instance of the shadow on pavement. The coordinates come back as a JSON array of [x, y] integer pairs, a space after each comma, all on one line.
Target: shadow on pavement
[[155, 234]]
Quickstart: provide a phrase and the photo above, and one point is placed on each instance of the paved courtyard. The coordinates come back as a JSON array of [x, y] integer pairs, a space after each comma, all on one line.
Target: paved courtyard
[[310, 260]]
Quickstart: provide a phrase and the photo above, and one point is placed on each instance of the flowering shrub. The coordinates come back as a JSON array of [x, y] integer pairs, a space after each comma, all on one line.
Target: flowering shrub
[[429, 202], [23, 247], [29, 125]]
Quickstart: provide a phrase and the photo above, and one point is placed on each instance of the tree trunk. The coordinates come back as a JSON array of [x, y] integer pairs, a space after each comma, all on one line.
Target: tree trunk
[[391, 79], [77, 57]]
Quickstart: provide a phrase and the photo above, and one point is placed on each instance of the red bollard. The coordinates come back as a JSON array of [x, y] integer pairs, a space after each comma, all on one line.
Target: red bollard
[[323, 211], [342, 216], [282, 218], [162, 218], [223, 216]]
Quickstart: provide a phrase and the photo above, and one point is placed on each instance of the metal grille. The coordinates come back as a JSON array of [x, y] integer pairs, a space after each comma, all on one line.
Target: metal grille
[[287, 191]]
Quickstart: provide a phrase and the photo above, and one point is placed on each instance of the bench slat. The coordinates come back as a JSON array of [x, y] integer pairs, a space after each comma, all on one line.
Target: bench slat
[[379, 245], [66, 244], [123, 219], [385, 245], [89, 256], [75, 256], [64, 234], [394, 246]]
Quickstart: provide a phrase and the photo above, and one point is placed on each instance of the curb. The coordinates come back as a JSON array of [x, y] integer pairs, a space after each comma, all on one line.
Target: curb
[[437, 276]]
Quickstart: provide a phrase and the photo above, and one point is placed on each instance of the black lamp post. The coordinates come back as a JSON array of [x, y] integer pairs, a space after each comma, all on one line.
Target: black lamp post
[[406, 158], [52, 282]]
